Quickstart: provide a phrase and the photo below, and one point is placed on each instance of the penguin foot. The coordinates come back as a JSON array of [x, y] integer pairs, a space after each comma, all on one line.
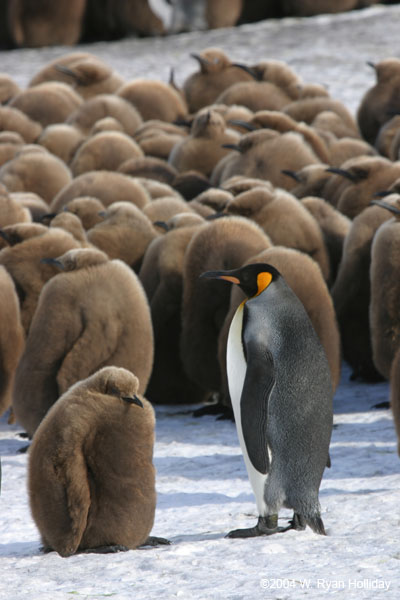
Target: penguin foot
[[216, 408], [105, 549], [265, 526], [298, 522], [24, 449], [382, 405], [155, 541]]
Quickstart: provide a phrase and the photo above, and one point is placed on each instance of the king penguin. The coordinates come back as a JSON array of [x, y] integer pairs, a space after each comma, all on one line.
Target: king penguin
[[281, 391]]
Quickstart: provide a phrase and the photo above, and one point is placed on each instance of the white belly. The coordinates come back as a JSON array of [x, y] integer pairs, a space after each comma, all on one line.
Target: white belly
[[236, 370]]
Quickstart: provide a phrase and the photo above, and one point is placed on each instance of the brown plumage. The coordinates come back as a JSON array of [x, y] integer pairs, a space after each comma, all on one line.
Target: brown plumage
[[149, 167], [11, 211], [158, 189], [94, 313], [154, 99], [328, 123], [46, 23], [11, 337], [10, 143], [334, 226], [381, 101], [346, 148], [22, 261], [162, 276], [62, 140], [48, 102], [351, 293], [216, 73], [106, 124], [104, 151], [12, 119], [8, 88], [91, 479], [125, 233], [162, 209], [395, 394], [264, 154], [385, 136], [307, 110], [34, 203], [87, 208], [203, 148], [105, 105], [384, 312], [85, 72], [309, 181], [284, 220], [225, 243], [107, 186], [73, 225], [367, 176], [215, 198], [34, 169]]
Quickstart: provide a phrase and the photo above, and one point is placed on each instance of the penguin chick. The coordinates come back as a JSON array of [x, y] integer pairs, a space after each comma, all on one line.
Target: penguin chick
[[19, 232], [154, 99], [11, 211], [72, 224], [125, 233], [48, 102], [351, 293], [264, 154], [161, 274], [80, 325], [216, 73], [157, 189], [255, 95], [36, 171], [190, 184], [310, 180], [91, 479], [215, 198], [107, 186], [62, 140], [369, 176], [237, 184], [105, 105], [11, 337], [395, 394], [83, 71], [163, 209], [307, 109], [45, 23], [22, 261], [204, 147], [328, 123], [34, 203], [280, 386], [346, 148], [8, 88], [12, 119], [10, 143], [380, 102], [149, 167], [87, 208], [278, 73], [386, 135], [227, 241], [334, 226], [104, 151], [271, 210], [384, 314], [106, 124]]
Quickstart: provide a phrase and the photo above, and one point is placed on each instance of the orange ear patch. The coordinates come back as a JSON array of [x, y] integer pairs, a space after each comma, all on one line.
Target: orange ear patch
[[263, 281]]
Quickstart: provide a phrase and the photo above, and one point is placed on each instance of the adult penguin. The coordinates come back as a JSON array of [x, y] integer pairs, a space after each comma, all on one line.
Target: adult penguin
[[281, 391]]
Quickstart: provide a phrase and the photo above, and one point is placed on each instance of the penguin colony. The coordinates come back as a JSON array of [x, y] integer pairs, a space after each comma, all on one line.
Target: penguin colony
[[109, 216], [43, 23]]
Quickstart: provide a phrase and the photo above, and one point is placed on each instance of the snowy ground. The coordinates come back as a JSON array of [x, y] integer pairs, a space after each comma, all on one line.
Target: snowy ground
[[203, 490]]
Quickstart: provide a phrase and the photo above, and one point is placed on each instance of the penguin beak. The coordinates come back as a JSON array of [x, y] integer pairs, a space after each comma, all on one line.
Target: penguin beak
[[162, 225], [52, 261], [48, 216], [392, 209], [382, 194], [219, 275], [371, 64], [245, 124], [133, 400], [291, 174], [248, 70], [201, 60], [231, 147], [5, 236], [341, 172]]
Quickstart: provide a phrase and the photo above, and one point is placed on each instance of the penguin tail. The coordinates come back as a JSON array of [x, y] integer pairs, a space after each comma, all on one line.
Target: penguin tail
[[316, 524]]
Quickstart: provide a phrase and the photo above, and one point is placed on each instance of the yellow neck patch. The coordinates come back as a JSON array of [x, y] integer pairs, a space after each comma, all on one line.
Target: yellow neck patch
[[263, 281]]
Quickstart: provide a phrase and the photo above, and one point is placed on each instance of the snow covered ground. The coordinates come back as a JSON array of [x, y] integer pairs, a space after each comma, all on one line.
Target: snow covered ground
[[203, 490]]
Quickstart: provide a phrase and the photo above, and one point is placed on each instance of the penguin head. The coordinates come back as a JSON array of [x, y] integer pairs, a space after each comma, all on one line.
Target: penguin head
[[253, 278]]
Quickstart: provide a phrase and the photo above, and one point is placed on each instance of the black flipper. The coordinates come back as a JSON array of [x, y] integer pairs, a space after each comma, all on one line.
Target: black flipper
[[257, 387]]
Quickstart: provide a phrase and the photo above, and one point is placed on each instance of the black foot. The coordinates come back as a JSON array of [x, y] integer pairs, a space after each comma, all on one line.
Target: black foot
[[216, 408], [23, 435], [385, 404], [265, 526], [24, 449], [105, 549], [155, 541], [298, 522]]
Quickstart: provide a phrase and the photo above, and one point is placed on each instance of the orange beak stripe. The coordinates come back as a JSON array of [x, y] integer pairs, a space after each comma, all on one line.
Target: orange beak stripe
[[230, 278], [263, 281]]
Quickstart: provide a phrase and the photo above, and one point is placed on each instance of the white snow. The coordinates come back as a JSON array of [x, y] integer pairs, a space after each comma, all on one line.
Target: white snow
[[203, 492]]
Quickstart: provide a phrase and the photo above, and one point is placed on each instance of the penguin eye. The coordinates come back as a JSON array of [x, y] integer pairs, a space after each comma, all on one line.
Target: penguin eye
[[263, 281]]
